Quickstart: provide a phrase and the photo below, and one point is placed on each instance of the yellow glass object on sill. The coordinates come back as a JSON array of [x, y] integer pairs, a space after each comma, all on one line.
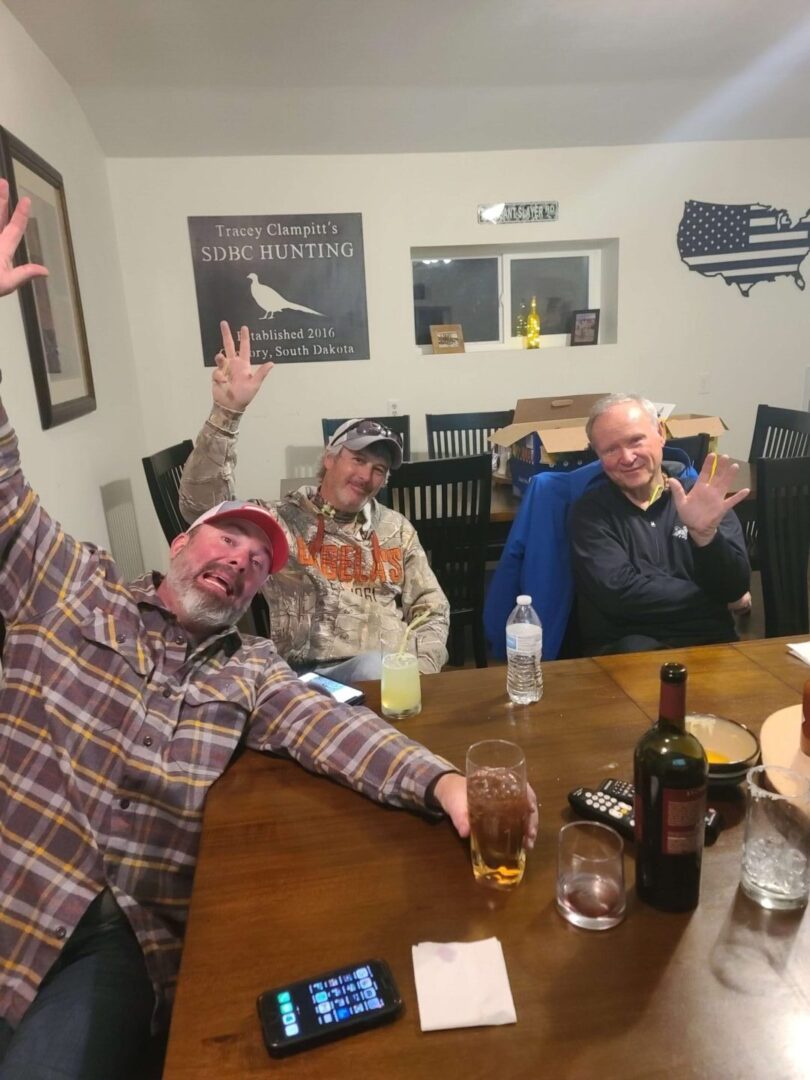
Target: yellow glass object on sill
[[520, 321], [533, 326]]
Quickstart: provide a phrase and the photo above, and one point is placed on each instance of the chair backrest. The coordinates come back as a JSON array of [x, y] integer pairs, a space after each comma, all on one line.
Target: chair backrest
[[463, 434], [696, 446], [400, 424], [783, 515], [780, 433], [163, 471], [447, 502]]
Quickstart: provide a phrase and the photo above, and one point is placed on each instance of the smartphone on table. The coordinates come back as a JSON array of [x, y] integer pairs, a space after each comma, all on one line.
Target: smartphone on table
[[346, 695], [329, 1006]]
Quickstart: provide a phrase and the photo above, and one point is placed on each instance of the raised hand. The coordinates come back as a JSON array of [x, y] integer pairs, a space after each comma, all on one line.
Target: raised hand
[[11, 232], [702, 509], [235, 382]]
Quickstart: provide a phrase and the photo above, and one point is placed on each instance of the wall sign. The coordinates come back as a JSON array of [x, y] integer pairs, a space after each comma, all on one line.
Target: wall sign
[[297, 281], [518, 213]]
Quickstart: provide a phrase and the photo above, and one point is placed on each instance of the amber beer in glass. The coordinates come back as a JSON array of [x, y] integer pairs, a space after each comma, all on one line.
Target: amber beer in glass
[[498, 803]]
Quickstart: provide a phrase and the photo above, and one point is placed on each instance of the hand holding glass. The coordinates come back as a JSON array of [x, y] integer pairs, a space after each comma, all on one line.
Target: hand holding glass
[[498, 801]]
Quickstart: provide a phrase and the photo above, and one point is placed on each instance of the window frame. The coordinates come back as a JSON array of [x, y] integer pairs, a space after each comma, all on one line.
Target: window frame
[[473, 346], [504, 258]]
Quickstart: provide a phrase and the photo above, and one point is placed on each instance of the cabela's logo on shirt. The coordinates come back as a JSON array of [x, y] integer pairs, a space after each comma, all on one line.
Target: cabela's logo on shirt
[[340, 562]]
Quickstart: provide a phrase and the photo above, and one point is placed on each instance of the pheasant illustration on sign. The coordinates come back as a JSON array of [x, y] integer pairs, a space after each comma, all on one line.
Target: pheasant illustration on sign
[[271, 301]]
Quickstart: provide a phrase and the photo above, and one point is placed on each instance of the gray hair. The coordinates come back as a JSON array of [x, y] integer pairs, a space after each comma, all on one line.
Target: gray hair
[[328, 451], [605, 403]]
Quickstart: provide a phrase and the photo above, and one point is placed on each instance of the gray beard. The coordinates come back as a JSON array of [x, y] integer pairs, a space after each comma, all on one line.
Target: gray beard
[[198, 608]]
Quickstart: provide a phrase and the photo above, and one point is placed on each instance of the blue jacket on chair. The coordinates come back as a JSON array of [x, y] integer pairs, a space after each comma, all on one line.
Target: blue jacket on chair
[[537, 560]]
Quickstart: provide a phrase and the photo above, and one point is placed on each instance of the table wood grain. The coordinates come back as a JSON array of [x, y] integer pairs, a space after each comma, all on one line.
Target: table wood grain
[[297, 875]]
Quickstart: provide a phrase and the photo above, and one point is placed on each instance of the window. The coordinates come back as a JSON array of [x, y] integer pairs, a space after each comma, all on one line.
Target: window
[[487, 289], [457, 291], [559, 284]]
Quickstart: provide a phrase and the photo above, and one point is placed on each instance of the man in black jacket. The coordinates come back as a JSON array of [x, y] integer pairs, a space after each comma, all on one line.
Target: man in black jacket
[[658, 562]]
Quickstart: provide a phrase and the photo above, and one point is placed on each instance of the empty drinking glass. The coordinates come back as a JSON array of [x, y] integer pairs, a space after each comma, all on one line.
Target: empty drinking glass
[[590, 875]]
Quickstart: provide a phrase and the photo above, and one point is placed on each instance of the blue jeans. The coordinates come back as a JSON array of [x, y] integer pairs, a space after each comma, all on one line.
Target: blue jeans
[[90, 1019]]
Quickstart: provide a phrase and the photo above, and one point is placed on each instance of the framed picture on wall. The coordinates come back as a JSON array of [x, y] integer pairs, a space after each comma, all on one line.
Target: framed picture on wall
[[447, 338], [51, 306], [585, 327]]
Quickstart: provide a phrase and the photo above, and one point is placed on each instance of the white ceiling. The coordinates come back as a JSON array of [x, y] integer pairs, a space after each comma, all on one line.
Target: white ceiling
[[207, 77]]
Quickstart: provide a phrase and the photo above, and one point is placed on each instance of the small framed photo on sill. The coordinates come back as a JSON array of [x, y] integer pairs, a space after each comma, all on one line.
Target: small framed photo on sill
[[447, 338], [585, 327]]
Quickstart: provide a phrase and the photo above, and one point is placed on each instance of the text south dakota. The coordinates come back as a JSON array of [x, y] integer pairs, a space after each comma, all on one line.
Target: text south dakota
[[314, 350]]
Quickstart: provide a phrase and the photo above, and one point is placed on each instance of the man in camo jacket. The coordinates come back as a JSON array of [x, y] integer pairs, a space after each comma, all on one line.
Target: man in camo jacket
[[357, 572]]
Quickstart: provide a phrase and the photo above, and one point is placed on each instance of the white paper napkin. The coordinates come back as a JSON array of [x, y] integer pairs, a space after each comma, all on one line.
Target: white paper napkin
[[462, 984], [800, 649]]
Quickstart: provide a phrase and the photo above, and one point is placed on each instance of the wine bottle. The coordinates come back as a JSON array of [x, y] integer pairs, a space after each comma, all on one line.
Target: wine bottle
[[533, 326], [670, 776], [804, 736]]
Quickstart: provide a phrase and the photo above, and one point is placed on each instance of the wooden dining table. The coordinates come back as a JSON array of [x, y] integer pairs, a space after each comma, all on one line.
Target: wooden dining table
[[298, 875]]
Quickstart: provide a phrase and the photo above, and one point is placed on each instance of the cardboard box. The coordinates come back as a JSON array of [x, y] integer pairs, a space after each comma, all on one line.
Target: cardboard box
[[682, 425], [546, 433]]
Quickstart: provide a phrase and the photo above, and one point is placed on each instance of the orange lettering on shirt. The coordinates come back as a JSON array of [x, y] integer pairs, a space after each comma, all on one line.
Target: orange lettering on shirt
[[304, 556], [394, 557], [344, 563], [327, 561]]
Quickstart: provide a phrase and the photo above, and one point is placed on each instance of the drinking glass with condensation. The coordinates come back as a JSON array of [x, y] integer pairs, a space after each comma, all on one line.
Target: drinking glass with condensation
[[776, 847], [400, 687], [498, 801], [590, 875]]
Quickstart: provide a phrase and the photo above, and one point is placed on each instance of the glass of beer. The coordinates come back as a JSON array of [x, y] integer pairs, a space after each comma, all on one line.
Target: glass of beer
[[400, 688], [498, 802]]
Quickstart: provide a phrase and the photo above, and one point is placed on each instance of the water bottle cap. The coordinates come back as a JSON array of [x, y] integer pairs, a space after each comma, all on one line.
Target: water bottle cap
[[524, 599]]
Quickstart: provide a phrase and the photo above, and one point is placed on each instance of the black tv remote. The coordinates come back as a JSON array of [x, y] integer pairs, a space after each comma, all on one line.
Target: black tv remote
[[621, 789], [617, 810], [604, 808]]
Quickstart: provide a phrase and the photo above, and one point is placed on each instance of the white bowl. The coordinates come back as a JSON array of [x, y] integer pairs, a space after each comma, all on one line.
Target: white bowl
[[730, 747]]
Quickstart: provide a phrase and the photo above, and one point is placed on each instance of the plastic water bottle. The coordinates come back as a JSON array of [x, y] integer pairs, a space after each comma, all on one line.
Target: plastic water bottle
[[524, 647]]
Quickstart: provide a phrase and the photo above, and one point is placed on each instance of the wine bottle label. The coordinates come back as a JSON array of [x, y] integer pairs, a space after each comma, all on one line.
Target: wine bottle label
[[682, 820]]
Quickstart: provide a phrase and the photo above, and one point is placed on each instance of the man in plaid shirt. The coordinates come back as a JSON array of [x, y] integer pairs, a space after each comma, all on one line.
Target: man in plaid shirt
[[122, 704]]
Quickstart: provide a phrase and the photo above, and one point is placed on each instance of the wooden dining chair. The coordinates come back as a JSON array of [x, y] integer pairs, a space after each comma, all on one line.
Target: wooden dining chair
[[448, 504], [401, 425], [695, 446], [778, 434], [463, 434], [783, 514], [163, 471]]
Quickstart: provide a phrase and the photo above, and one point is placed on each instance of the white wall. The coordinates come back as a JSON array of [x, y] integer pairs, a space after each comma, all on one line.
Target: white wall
[[67, 464], [674, 325]]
